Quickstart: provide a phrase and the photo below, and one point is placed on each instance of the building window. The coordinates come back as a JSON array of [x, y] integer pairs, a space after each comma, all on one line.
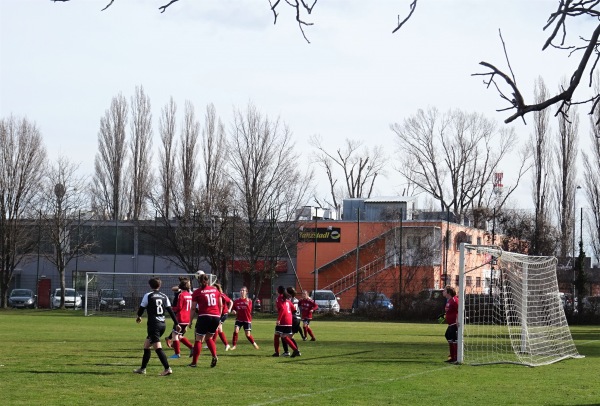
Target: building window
[[468, 281], [413, 242], [456, 280], [478, 282], [478, 240], [460, 238]]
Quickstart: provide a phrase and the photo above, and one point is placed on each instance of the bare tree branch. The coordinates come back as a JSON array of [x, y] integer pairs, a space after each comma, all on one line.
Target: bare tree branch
[[413, 6]]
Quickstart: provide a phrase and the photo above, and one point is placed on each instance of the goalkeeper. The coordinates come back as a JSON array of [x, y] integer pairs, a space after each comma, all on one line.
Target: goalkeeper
[[451, 316]]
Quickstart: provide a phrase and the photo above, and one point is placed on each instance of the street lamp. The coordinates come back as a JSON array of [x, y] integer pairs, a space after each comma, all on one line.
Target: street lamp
[[316, 275]]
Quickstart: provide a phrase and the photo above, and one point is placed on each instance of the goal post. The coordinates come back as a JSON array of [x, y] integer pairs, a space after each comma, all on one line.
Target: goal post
[[520, 318], [120, 294]]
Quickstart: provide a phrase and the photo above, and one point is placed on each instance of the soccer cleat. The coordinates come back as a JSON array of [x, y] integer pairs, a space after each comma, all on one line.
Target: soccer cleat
[[286, 354], [141, 371], [175, 356], [313, 339], [295, 354], [213, 363], [166, 372], [168, 341], [303, 338], [192, 365], [255, 345], [276, 354], [227, 347], [233, 348]]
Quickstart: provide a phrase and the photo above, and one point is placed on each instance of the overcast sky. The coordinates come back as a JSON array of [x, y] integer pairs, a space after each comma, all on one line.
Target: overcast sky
[[62, 63]]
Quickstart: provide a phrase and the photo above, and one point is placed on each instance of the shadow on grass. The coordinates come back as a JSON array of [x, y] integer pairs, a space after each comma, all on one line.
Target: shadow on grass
[[38, 372]]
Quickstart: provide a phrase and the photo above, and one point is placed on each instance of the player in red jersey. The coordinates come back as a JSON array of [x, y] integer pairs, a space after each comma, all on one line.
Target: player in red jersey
[[183, 310], [451, 315], [283, 328], [227, 304], [307, 307], [242, 308], [208, 300]]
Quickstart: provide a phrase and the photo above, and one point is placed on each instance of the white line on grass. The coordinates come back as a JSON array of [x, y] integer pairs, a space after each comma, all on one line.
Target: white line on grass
[[305, 395]]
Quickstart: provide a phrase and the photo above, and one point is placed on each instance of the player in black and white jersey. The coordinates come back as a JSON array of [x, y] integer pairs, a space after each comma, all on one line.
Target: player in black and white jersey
[[156, 304]]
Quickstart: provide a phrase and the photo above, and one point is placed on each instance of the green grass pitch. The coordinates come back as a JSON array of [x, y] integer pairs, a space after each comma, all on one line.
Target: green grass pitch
[[61, 357]]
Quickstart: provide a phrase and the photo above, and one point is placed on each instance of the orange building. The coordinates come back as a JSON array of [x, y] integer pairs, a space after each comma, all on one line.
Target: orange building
[[392, 257]]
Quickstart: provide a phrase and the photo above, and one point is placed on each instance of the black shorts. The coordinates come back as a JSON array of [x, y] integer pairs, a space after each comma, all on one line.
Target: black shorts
[[183, 330], [283, 330], [224, 317], [295, 325], [207, 325], [246, 325], [155, 332], [452, 333], [306, 321]]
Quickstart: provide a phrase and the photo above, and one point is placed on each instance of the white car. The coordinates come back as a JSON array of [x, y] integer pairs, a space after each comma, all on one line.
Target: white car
[[72, 298], [326, 300]]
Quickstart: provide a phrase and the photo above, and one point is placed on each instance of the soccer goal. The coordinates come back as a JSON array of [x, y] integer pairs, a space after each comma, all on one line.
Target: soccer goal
[[120, 294], [520, 319]]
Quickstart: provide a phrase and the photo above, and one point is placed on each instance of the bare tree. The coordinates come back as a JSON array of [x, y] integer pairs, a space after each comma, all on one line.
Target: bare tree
[[453, 156], [22, 165], [108, 187], [564, 177], [359, 168], [591, 176], [167, 130], [265, 175], [216, 199], [542, 162], [188, 159], [63, 197], [176, 203], [140, 145]]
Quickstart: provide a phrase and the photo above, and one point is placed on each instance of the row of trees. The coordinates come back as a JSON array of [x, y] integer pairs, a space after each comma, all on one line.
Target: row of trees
[[207, 173]]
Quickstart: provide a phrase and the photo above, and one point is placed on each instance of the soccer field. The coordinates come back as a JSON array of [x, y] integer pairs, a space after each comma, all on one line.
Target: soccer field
[[63, 358]]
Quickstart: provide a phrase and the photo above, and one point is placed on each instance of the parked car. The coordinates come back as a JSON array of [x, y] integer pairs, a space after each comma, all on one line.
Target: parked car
[[429, 304], [23, 298], [110, 299], [591, 305], [371, 301], [326, 300], [72, 298]]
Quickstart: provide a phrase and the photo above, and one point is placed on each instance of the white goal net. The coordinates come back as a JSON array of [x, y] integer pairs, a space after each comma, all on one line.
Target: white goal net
[[120, 294], [520, 319]]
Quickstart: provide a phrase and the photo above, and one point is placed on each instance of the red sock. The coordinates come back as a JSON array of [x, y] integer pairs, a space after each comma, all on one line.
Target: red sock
[[310, 332], [276, 343], [454, 351], [290, 343], [176, 346], [186, 342], [197, 350], [250, 338], [235, 338], [223, 338], [212, 347]]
